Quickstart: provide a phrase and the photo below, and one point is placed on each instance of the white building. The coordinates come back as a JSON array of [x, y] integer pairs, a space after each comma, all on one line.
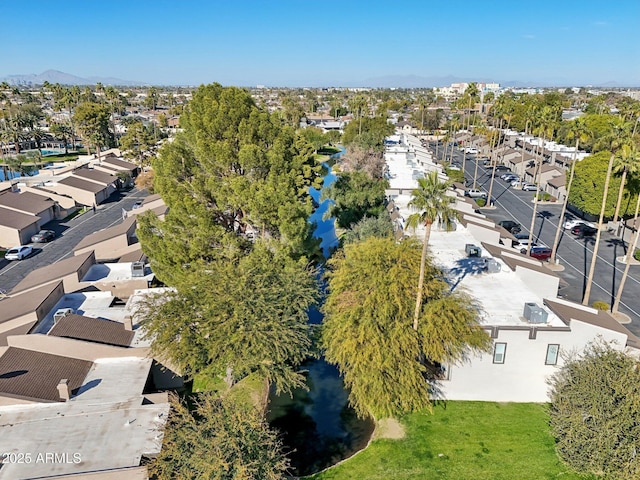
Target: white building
[[532, 330]]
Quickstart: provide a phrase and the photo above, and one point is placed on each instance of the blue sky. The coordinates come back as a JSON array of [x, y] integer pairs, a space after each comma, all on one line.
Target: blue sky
[[321, 43]]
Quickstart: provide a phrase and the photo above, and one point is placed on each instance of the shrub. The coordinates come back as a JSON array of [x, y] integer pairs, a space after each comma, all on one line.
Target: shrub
[[599, 305], [481, 202], [636, 255]]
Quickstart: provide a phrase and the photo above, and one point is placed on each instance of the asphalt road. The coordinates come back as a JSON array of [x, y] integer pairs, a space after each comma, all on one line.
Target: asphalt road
[[68, 234], [574, 253]]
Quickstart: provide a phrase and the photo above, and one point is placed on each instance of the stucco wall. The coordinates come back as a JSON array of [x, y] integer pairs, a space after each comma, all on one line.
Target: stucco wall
[[523, 375]]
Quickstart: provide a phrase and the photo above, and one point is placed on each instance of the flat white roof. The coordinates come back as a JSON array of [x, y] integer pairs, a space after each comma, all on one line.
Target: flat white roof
[[501, 296], [113, 272]]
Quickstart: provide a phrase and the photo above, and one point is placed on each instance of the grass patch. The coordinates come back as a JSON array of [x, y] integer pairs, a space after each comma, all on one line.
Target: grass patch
[[208, 383], [79, 211], [463, 440], [249, 390]]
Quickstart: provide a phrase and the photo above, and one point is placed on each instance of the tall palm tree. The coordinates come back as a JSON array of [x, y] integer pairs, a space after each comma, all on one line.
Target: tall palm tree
[[431, 199], [592, 268], [546, 127], [627, 161], [630, 251], [494, 162], [579, 131]]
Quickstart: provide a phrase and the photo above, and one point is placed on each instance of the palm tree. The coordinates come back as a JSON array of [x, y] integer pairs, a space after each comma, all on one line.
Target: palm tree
[[630, 251], [545, 129], [435, 206], [592, 268], [579, 131], [494, 163], [627, 161]]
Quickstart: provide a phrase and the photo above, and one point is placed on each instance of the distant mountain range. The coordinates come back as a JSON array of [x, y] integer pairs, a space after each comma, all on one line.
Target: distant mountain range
[[415, 81], [56, 76], [388, 81]]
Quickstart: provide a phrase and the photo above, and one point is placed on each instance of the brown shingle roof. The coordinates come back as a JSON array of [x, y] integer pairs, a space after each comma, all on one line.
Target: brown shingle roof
[[35, 375], [544, 169], [120, 163], [26, 202], [16, 220], [558, 181], [106, 234], [19, 305], [55, 271], [95, 175], [92, 330], [135, 256], [82, 184]]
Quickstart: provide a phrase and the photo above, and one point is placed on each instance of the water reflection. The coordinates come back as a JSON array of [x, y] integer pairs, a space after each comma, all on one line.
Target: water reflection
[[318, 426]]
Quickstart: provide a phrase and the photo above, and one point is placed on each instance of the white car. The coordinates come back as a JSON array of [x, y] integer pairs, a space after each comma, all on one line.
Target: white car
[[474, 193], [574, 222], [522, 244], [18, 253], [529, 187]]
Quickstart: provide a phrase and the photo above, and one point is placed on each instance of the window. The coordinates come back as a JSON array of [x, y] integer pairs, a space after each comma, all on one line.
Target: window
[[552, 354], [499, 351]]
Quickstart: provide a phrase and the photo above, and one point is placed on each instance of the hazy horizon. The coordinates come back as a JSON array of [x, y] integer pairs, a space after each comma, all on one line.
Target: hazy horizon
[[295, 44]]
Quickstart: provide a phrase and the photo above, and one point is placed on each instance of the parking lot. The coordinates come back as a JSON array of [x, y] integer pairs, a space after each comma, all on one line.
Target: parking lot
[[574, 252], [68, 234]]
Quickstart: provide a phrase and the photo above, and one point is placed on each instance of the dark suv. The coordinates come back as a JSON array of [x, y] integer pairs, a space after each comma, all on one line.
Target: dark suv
[[510, 226]]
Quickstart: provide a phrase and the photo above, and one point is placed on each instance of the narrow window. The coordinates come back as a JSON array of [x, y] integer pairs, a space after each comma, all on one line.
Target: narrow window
[[552, 354], [499, 351]]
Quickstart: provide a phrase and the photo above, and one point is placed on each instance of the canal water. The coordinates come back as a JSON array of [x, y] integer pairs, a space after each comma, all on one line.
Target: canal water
[[318, 426]]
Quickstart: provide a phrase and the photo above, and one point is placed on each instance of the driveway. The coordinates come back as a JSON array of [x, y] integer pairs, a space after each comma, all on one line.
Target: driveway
[[68, 234]]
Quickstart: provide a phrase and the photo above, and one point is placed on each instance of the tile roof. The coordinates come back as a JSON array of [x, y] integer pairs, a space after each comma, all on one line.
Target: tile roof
[[92, 330], [35, 375]]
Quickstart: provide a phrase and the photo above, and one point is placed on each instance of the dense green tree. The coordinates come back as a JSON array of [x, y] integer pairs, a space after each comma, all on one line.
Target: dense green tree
[[627, 161], [92, 121], [314, 137], [577, 131], [368, 133], [218, 440], [388, 367], [236, 317], [589, 179], [595, 406], [235, 171], [380, 226], [434, 206], [138, 143], [355, 195]]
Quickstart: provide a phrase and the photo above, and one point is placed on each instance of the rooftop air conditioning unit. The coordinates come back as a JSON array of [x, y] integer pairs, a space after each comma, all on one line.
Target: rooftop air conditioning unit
[[137, 269], [61, 313], [492, 265], [534, 314], [472, 250]]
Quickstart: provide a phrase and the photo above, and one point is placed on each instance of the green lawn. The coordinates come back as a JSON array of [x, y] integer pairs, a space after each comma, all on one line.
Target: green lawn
[[463, 441]]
